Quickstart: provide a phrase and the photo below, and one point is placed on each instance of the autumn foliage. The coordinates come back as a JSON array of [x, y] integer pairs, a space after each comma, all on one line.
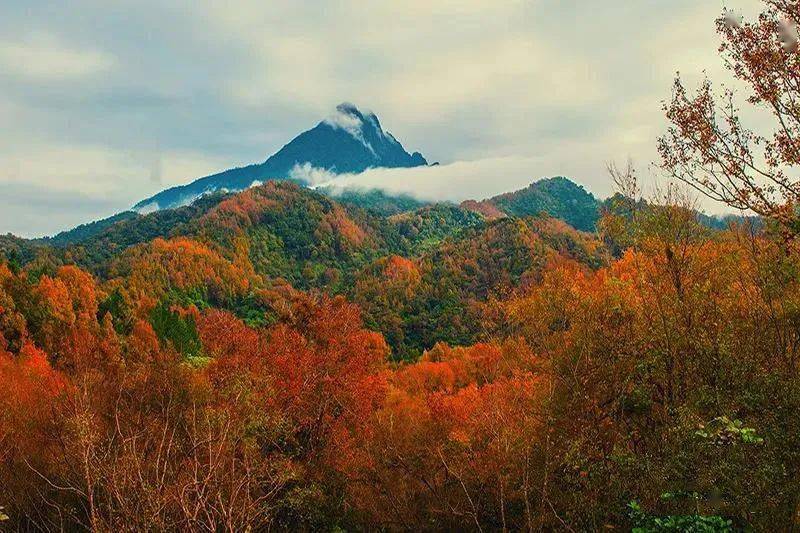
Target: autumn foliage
[[592, 388], [275, 360]]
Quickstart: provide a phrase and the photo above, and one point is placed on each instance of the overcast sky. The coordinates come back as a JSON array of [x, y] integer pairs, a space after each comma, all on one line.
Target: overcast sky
[[104, 103]]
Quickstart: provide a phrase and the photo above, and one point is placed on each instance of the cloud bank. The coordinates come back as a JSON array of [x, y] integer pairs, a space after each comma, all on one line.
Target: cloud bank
[[453, 182]]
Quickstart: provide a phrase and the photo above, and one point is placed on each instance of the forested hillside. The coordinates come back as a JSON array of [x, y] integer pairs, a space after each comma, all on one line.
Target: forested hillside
[[273, 319], [531, 357], [557, 197]]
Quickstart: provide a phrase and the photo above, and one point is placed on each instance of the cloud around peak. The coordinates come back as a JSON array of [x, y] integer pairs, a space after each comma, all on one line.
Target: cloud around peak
[[346, 117], [453, 182]]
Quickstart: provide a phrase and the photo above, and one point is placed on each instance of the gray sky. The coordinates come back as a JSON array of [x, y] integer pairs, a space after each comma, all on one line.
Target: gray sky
[[104, 103]]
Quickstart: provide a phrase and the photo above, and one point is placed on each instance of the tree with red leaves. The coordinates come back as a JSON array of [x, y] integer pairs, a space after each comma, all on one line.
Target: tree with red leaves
[[708, 145]]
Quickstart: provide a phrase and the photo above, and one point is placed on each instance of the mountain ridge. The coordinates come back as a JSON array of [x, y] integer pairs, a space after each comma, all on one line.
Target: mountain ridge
[[558, 197]]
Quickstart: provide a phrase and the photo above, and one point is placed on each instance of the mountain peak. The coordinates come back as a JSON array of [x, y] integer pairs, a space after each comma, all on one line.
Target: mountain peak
[[365, 127], [346, 113], [349, 108], [349, 118], [347, 141]]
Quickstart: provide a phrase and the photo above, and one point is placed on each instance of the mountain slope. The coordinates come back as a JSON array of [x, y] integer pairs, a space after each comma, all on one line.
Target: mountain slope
[[348, 141]]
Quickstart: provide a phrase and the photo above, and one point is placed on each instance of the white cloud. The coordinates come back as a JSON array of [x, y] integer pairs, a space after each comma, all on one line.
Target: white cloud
[[452, 182], [350, 123], [311, 175], [45, 58]]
